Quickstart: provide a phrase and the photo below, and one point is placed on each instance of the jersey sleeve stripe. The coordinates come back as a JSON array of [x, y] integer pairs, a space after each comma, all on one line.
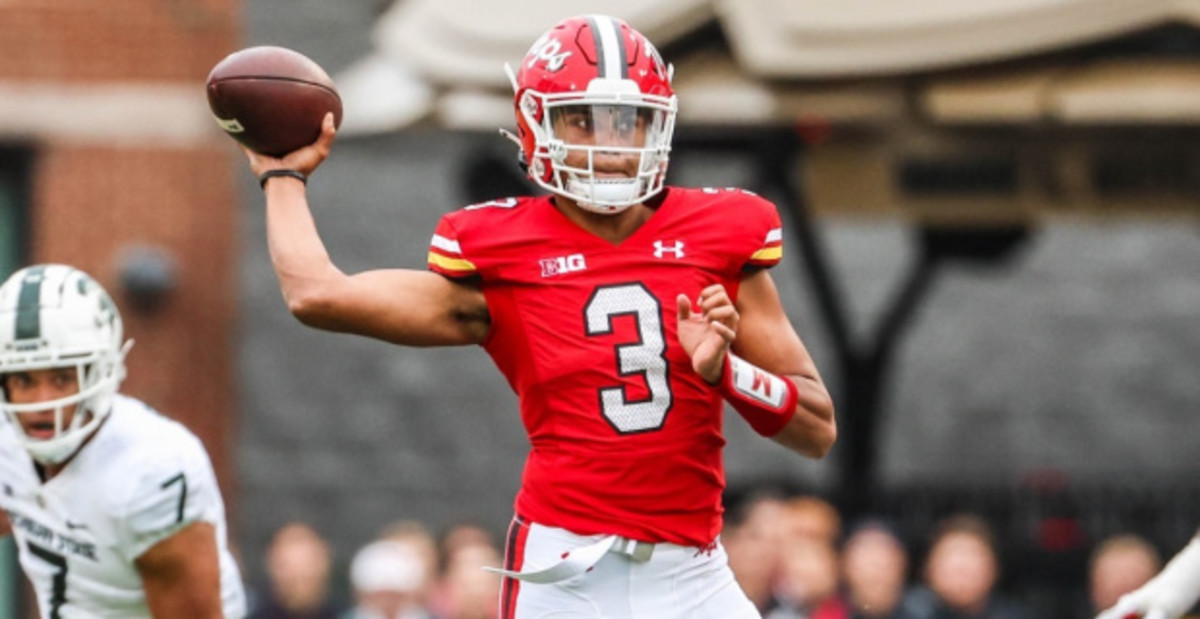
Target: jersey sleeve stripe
[[769, 255], [449, 246], [772, 249], [450, 265]]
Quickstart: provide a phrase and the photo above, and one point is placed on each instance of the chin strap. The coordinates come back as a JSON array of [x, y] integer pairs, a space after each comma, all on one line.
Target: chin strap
[[511, 137], [512, 76], [521, 163]]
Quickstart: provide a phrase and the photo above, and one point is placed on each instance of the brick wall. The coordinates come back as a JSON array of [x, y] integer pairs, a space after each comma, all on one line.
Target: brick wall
[[91, 203], [92, 197], [114, 40]]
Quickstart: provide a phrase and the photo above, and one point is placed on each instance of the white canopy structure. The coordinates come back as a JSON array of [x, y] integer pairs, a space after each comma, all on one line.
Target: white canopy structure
[[848, 38], [442, 60], [459, 47]]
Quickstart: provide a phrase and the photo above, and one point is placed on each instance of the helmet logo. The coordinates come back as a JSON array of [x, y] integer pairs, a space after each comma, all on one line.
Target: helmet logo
[[549, 50]]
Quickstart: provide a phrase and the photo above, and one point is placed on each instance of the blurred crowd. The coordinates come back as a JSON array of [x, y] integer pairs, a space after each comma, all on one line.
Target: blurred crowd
[[405, 573], [795, 560], [792, 555]]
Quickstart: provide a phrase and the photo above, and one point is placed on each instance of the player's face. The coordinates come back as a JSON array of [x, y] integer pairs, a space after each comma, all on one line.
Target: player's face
[[619, 126], [33, 386]]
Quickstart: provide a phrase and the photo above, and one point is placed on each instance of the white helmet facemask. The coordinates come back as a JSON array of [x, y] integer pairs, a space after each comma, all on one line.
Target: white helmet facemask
[[608, 148], [54, 316]]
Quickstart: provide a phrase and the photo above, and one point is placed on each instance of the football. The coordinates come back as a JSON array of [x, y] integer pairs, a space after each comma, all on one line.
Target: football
[[271, 99]]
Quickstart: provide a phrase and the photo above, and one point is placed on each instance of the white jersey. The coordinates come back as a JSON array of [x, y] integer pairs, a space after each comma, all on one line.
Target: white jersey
[[141, 479]]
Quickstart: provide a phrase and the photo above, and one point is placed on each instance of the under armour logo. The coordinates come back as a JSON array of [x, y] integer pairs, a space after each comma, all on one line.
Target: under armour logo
[[660, 249]]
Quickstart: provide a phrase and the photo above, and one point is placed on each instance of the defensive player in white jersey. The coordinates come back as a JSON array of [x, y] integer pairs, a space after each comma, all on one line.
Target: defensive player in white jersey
[[115, 509]]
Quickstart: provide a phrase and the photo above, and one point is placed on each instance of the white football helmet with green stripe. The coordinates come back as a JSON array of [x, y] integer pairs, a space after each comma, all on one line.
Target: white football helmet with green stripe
[[56, 316]]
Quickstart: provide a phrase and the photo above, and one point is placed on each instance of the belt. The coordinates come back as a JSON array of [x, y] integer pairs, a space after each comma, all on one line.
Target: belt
[[579, 560]]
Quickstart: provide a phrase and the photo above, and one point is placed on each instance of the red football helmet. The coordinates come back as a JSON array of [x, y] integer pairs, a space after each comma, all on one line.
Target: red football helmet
[[594, 100]]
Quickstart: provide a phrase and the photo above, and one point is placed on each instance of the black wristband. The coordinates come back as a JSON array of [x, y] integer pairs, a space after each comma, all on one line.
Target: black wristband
[[269, 174]]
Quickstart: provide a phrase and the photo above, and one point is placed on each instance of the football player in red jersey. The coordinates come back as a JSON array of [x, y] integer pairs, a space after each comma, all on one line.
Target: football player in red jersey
[[623, 313]]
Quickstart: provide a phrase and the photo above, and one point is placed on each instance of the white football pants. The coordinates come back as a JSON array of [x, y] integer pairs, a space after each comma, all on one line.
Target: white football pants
[[562, 575]]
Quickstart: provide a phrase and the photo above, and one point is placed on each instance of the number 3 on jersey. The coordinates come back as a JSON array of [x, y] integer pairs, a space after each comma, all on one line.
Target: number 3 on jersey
[[646, 356]]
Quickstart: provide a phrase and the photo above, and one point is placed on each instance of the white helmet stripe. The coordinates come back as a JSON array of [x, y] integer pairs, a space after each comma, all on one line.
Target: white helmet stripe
[[610, 50], [29, 301]]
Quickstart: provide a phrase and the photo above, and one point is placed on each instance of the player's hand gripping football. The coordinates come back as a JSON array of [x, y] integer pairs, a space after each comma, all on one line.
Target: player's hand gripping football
[[707, 334], [304, 159]]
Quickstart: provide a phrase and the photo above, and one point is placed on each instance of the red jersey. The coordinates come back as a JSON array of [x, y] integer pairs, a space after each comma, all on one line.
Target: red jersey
[[625, 437]]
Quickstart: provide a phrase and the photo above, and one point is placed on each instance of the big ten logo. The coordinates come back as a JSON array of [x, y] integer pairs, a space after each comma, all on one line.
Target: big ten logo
[[562, 264]]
